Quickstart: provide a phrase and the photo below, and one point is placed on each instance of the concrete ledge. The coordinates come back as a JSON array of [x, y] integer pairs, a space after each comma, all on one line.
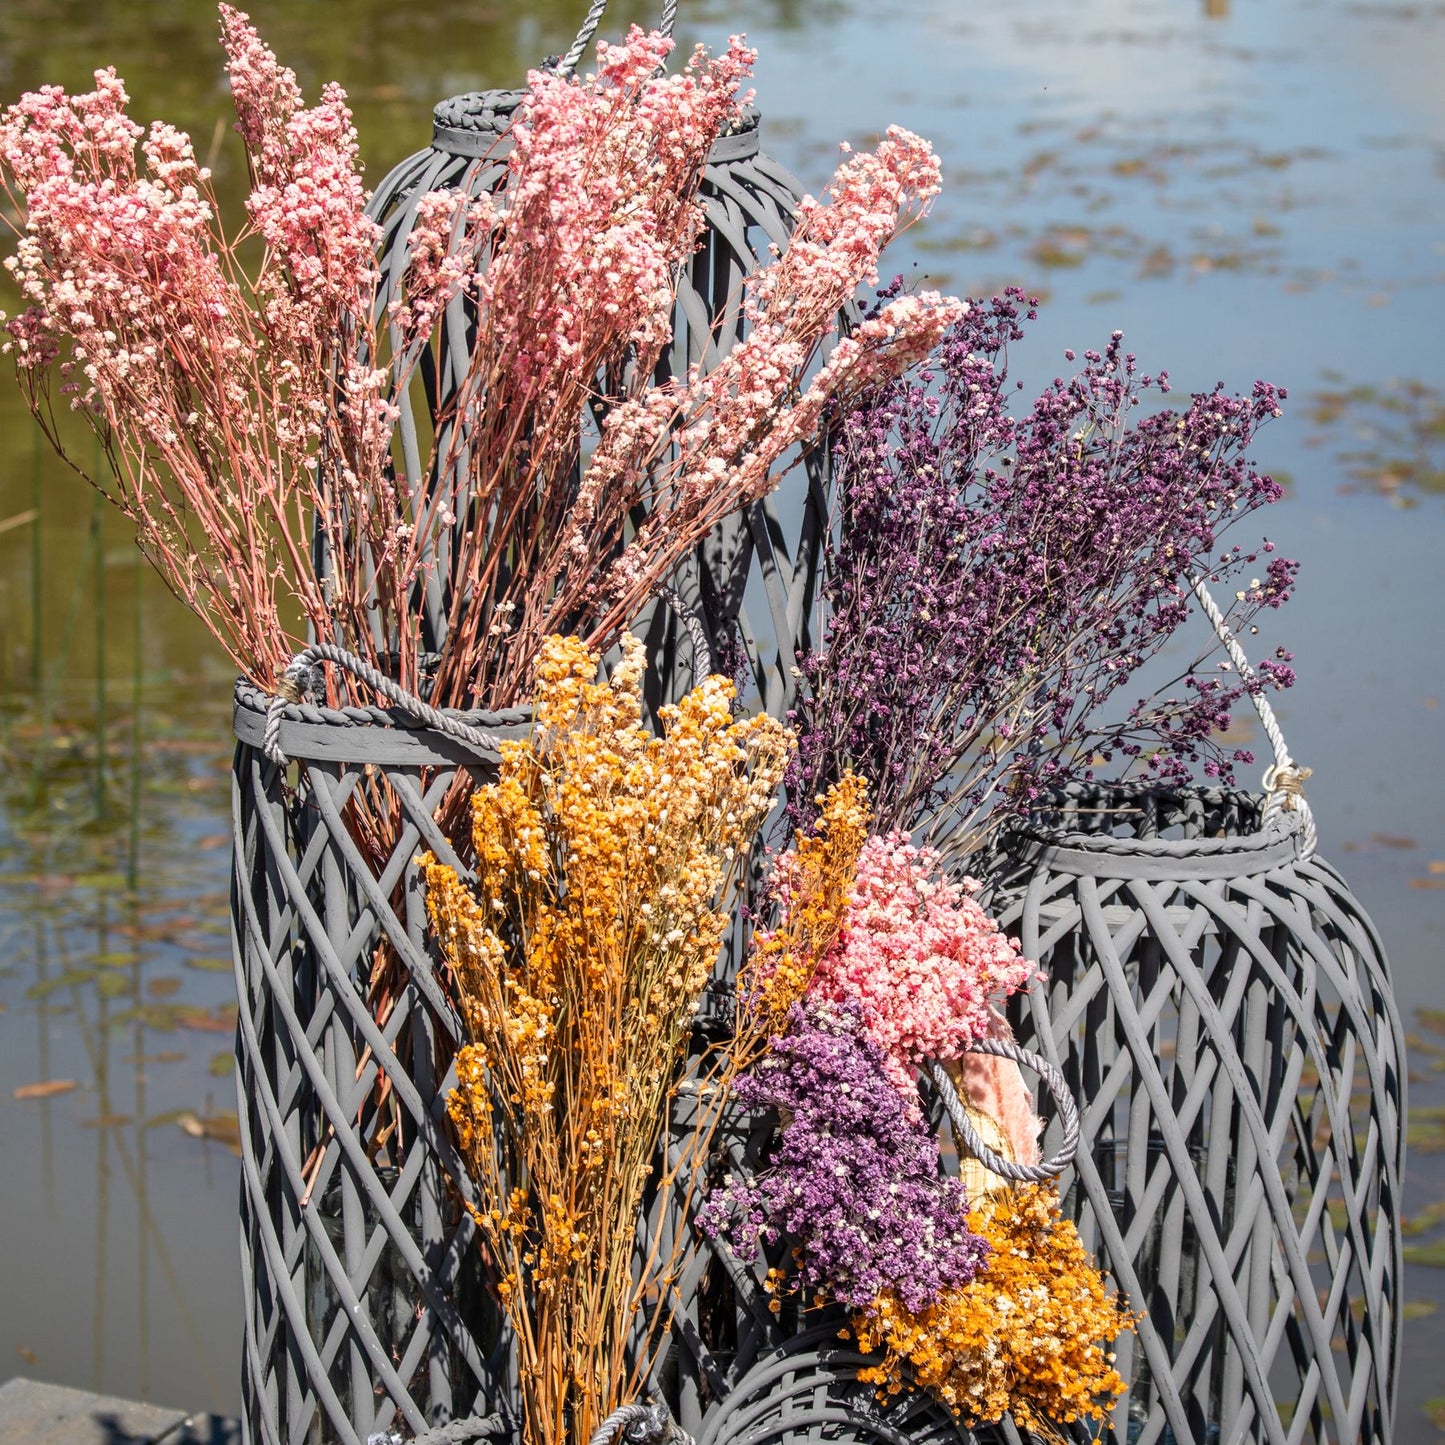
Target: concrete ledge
[[32, 1413]]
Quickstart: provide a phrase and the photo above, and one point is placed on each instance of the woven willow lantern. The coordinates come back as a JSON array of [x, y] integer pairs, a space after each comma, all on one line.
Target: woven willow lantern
[[752, 580], [1221, 1006], [366, 1310]]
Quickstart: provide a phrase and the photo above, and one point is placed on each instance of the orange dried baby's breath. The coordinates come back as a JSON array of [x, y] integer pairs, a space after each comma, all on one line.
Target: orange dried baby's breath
[[1031, 1335]]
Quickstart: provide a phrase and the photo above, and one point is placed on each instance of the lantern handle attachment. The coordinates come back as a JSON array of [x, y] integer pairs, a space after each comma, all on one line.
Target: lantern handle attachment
[[593, 19], [968, 1136], [1284, 780]]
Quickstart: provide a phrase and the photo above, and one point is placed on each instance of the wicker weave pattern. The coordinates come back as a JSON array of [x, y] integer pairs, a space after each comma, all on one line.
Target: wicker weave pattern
[[357, 1272], [1224, 1013]]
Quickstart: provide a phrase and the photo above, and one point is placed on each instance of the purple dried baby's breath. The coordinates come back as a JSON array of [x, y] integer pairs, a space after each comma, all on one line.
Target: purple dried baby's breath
[[994, 581], [855, 1182]]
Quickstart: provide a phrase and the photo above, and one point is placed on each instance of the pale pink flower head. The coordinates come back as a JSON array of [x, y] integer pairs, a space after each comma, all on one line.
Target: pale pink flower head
[[265, 94], [918, 958]]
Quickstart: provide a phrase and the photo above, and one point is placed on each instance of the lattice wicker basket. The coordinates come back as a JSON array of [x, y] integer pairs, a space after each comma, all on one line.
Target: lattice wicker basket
[[309, 911], [1221, 1006], [363, 1306]]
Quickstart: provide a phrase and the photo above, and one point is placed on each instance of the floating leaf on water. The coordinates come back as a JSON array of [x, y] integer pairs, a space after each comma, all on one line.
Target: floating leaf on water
[[70, 978], [212, 841], [1427, 1136], [106, 1121], [46, 1089], [1418, 1309], [219, 1020], [112, 985], [1393, 840], [122, 958], [1422, 1221], [1435, 1409], [210, 965], [1427, 883], [27, 1354], [1432, 1019], [222, 1065], [171, 1116], [162, 987], [223, 1129], [1432, 1256], [106, 882]]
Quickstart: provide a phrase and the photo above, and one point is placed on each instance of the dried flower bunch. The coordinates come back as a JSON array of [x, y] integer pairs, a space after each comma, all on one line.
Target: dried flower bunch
[[994, 1307], [1030, 1336], [993, 582], [242, 408], [605, 857]]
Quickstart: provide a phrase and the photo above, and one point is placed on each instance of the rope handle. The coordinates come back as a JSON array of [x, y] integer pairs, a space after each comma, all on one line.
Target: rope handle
[[641, 1425], [638, 1425], [1284, 780], [568, 63], [968, 1136], [692, 625], [457, 1432], [302, 679]]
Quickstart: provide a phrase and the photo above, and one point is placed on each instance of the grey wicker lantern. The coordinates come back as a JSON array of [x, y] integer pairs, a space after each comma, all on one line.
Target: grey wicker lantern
[[752, 581], [1221, 1006], [366, 1309]]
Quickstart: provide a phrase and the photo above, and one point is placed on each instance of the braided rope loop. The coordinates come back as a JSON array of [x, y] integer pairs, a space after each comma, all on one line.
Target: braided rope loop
[[302, 679], [456, 1432], [641, 1425], [968, 1136], [568, 63]]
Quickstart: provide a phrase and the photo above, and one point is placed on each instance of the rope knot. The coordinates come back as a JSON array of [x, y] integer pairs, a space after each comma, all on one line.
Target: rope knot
[[301, 679], [1289, 782], [639, 1424]]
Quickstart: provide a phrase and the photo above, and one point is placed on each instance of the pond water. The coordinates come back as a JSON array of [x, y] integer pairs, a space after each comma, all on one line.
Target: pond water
[[1250, 190]]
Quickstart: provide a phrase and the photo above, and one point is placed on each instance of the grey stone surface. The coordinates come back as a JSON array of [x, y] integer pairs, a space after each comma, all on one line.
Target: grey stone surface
[[32, 1413], [204, 1430]]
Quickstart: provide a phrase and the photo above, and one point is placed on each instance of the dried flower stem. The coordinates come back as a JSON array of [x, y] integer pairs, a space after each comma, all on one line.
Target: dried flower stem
[[605, 858]]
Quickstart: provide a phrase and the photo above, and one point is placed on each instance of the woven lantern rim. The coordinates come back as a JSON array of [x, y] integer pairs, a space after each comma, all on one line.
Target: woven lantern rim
[[476, 123], [385, 736], [1226, 830]]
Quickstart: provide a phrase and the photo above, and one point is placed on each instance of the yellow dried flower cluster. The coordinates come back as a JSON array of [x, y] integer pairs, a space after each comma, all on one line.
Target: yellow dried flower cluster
[[1030, 1335], [605, 858], [813, 883]]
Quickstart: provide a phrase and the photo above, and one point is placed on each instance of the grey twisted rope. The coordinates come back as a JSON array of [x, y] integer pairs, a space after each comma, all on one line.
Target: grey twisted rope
[[968, 1136], [692, 625], [568, 63], [1284, 782], [299, 679], [641, 1425]]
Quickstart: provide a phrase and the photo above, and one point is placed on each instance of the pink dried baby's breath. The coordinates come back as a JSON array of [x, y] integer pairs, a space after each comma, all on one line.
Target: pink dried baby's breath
[[918, 958]]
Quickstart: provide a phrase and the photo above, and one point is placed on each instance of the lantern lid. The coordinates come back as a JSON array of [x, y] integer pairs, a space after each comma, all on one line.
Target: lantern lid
[[476, 124]]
